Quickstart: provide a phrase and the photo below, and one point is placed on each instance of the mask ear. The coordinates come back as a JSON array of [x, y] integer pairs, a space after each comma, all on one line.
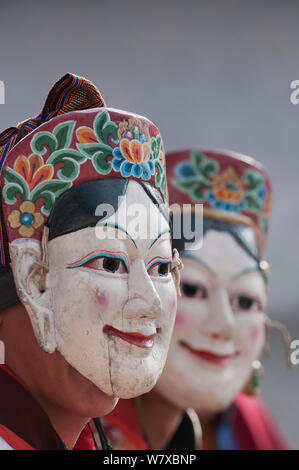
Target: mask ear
[[24, 254]]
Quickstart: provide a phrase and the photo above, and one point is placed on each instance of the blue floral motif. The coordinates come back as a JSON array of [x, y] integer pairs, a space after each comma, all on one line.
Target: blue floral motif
[[219, 204], [185, 170], [143, 170], [262, 193]]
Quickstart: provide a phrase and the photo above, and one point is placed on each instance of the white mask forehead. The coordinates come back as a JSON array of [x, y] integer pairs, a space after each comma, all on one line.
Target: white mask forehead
[[229, 259]]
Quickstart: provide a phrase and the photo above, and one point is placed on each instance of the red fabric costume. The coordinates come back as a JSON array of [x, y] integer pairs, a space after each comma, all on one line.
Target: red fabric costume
[[251, 424]]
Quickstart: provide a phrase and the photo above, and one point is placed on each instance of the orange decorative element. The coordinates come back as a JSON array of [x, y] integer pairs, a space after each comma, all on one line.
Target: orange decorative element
[[125, 150], [26, 220], [33, 170], [85, 135], [228, 186], [268, 203], [135, 151]]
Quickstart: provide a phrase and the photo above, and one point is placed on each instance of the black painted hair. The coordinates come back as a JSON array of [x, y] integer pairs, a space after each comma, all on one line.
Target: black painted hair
[[77, 208], [244, 235]]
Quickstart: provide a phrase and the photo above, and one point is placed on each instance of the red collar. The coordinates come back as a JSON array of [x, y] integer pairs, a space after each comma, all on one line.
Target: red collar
[[8, 371]]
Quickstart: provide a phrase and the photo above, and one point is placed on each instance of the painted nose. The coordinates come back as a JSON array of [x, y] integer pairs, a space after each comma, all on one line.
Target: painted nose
[[220, 318], [143, 299]]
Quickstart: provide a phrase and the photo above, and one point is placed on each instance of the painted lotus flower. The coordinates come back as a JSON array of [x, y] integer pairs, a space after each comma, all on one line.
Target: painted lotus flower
[[228, 191], [33, 170], [134, 158], [26, 220]]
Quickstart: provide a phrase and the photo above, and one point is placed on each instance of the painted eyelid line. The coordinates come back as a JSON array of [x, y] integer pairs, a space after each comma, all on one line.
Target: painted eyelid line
[[156, 260], [247, 294], [194, 283], [102, 254]]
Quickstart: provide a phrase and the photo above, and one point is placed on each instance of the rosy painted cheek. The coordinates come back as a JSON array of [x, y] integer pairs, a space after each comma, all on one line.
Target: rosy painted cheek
[[173, 304], [101, 300], [180, 318], [255, 333]]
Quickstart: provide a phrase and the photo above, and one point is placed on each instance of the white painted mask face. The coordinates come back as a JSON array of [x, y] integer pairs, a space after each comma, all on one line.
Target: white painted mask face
[[219, 329], [113, 300]]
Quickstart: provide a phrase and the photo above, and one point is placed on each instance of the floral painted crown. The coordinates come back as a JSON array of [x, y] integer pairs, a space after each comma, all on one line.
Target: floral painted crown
[[75, 139], [230, 186]]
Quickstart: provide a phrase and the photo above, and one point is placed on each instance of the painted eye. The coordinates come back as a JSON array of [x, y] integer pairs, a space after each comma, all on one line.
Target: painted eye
[[160, 269], [194, 290], [110, 265], [245, 303]]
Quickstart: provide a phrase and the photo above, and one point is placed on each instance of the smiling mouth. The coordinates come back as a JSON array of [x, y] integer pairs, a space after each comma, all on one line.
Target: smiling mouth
[[132, 337], [212, 358]]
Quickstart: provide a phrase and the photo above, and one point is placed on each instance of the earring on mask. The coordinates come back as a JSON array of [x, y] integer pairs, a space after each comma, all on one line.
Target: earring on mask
[[286, 337], [41, 266], [177, 265], [254, 384]]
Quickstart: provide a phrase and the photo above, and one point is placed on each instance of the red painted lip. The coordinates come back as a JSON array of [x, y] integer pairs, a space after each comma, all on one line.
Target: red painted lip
[[138, 339], [208, 356]]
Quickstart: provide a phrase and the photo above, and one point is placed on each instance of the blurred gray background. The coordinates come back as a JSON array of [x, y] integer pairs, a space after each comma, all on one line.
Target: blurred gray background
[[210, 74]]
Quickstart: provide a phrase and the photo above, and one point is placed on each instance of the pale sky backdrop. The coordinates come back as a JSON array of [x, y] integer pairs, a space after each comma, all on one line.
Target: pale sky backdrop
[[210, 74]]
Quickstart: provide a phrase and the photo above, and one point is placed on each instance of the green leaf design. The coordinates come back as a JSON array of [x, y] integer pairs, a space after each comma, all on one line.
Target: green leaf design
[[156, 146], [205, 167], [99, 154], [43, 140], [49, 191], [184, 185], [252, 201], [104, 128], [63, 133], [89, 150], [14, 184], [190, 186], [196, 159], [160, 172], [254, 179], [196, 193], [163, 186], [9, 192], [100, 161], [209, 167], [71, 160]]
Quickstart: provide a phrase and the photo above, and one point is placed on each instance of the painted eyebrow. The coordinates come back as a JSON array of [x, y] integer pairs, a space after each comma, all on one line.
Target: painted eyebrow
[[252, 269], [159, 236], [118, 227], [187, 254], [101, 254], [246, 270]]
